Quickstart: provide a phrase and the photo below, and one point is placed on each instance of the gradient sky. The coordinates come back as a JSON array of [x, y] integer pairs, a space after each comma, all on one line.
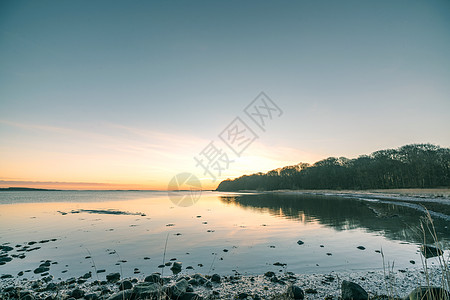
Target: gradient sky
[[124, 94]]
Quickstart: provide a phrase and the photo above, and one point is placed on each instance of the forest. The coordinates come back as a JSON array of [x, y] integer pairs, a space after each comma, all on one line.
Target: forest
[[410, 166]]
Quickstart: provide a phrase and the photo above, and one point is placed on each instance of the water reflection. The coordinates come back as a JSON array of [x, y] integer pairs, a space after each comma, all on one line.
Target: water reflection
[[392, 221]]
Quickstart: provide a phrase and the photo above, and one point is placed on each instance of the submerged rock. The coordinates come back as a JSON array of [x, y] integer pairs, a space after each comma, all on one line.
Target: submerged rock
[[353, 291], [41, 270]]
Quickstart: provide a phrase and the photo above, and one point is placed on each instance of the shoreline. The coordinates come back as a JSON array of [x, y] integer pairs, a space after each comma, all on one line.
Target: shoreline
[[197, 286]]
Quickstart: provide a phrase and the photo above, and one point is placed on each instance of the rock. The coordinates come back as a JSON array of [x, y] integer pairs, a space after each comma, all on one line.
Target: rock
[[430, 251], [428, 293], [71, 280], [215, 278], [146, 290], [92, 296], [295, 292], [101, 271], [122, 295], [353, 291], [51, 286], [41, 270], [243, 296], [311, 291], [113, 277], [6, 248], [269, 274], [77, 293], [5, 276], [190, 296], [361, 248], [87, 275], [178, 288], [125, 285], [193, 282], [5, 259], [176, 267], [300, 242], [154, 278], [27, 297]]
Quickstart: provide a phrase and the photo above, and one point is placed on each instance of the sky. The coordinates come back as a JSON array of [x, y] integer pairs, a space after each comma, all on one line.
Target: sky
[[128, 94]]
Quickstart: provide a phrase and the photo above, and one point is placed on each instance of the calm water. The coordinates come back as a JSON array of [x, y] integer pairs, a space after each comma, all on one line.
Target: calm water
[[255, 230]]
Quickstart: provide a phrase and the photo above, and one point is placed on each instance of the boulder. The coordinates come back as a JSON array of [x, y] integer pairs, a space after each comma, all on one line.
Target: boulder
[[215, 278], [176, 267], [353, 291], [190, 296], [154, 278], [77, 293], [147, 290], [113, 277], [428, 293], [125, 285], [122, 295], [430, 251], [295, 292], [179, 288]]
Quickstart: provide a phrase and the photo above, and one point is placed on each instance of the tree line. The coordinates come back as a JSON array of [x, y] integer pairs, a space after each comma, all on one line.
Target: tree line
[[410, 166]]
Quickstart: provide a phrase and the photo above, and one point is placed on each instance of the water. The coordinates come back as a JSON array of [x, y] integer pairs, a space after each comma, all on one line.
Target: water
[[222, 233]]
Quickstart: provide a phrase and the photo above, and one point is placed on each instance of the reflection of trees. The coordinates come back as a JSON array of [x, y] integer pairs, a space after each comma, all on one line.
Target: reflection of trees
[[393, 221]]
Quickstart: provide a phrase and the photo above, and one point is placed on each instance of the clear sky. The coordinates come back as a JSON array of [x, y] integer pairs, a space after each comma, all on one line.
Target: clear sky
[[124, 94]]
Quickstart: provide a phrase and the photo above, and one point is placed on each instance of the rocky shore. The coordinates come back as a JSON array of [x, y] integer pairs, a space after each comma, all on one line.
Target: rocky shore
[[286, 285]]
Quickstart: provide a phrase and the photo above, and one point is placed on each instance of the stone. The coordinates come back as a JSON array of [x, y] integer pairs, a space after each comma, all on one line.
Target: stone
[[176, 267], [125, 285], [178, 288], [122, 295], [300, 242], [361, 248], [113, 277], [215, 278], [146, 290], [92, 296], [428, 293], [430, 251], [41, 270], [5, 259], [154, 278], [352, 291], [190, 296], [51, 286], [269, 274], [77, 293], [6, 248]]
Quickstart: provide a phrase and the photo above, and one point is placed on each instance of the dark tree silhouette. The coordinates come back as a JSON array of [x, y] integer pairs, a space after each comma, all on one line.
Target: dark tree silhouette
[[410, 166]]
